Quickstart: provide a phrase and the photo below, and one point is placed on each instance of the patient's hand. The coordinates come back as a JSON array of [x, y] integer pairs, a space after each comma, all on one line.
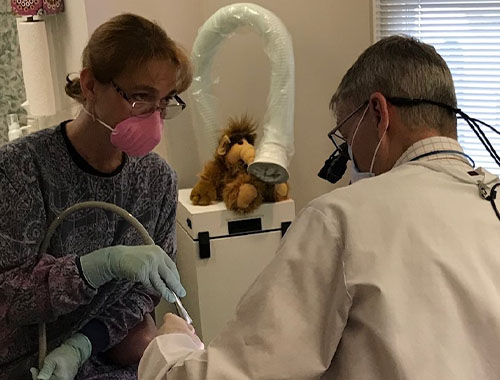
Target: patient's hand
[[129, 351]]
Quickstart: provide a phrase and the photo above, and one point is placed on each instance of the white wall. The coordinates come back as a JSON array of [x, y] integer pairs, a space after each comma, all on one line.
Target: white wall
[[327, 35]]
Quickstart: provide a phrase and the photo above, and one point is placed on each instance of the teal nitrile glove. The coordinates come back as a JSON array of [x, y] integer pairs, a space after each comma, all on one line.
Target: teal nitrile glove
[[148, 264], [64, 362]]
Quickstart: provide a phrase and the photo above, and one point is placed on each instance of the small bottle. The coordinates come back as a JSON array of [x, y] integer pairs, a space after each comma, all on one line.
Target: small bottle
[[31, 126], [14, 127]]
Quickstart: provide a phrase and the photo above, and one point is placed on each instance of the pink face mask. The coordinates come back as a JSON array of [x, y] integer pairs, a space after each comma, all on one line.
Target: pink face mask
[[136, 136]]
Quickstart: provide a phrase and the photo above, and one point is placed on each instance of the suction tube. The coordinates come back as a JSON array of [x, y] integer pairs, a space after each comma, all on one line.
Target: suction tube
[[42, 331], [276, 148]]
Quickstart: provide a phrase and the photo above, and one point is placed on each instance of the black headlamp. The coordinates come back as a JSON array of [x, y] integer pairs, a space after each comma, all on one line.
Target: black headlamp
[[336, 165]]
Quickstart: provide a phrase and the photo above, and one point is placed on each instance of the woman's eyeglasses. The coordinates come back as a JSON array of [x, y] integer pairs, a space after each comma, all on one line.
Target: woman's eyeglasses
[[169, 108]]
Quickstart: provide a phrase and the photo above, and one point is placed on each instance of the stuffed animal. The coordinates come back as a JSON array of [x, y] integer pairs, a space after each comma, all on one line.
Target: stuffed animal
[[226, 177]]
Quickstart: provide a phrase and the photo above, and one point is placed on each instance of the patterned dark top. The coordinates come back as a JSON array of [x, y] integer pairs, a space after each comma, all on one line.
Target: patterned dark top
[[40, 176]]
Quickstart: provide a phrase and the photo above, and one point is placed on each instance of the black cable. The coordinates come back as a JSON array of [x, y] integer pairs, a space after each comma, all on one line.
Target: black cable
[[473, 123], [482, 137], [487, 144], [486, 125], [492, 197]]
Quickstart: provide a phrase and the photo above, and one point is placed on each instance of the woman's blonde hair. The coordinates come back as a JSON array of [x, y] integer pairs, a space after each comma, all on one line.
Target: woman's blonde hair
[[124, 43]]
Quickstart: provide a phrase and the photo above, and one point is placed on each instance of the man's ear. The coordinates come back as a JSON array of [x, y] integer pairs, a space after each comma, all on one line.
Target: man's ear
[[224, 143], [87, 83], [379, 105]]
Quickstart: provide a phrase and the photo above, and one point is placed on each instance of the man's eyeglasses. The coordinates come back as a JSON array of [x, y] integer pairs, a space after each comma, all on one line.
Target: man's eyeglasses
[[335, 132], [169, 108], [336, 165]]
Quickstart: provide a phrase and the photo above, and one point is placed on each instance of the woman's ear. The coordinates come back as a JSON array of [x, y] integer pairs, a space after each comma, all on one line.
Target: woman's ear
[[378, 103], [87, 84], [224, 143]]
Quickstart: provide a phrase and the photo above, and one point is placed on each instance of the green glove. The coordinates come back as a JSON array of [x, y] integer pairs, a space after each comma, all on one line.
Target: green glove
[[64, 362], [148, 264]]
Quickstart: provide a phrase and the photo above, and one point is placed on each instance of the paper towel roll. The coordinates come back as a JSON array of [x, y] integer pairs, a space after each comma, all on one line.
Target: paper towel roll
[[36, 68]]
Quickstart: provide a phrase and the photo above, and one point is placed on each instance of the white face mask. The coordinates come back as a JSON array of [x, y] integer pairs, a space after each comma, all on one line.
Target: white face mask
[[356, 174]]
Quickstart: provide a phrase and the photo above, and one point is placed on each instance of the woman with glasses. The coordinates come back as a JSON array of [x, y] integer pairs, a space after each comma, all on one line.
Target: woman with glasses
[[97, 285]]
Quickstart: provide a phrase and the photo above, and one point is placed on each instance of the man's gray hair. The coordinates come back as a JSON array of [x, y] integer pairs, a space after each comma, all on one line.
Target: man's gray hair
[[402, 66]]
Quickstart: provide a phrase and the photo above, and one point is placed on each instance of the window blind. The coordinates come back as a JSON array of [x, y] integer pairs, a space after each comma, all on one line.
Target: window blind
[[467, 35]]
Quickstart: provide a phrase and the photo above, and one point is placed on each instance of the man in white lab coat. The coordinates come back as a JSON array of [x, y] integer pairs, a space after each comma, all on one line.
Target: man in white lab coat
[[394, 277]]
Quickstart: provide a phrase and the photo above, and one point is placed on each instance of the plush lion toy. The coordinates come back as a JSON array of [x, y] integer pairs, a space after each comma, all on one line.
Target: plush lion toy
[[226, 177]]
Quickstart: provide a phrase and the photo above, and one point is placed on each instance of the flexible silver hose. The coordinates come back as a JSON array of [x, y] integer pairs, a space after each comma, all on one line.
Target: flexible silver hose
[[42, 331]]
